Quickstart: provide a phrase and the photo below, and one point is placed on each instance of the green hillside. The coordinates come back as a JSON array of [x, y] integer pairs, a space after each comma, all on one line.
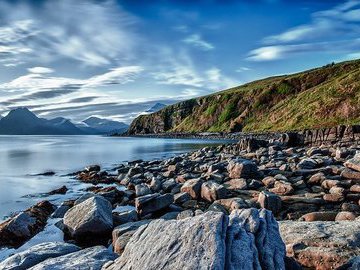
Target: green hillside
[[321, 97]]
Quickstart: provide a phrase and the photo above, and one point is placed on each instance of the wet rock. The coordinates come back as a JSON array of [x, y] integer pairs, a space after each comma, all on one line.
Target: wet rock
[[92, 168], [242, 169], [151, 203], [90, 258], [319, 216], [36, 254], [193, 187], [321, 245], [355, 188], [212, 191], [61, 190], [270, 201], [62, 209], [350, 207], [90, 221], [18, 229]]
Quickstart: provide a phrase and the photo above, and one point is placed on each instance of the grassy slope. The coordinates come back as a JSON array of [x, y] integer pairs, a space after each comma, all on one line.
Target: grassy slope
[[321, 97]]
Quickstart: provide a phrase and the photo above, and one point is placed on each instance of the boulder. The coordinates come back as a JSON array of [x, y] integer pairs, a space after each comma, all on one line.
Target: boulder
[[151, 203], [321, 245], [89, 220], [242, 169], [236, 184], [142, 190], [181, 198], [270, 201], [354, 163], [124, 217], [193, 187], [212, 191], [36, 254], [282, 188], [307, 164], [177, 244], [350, 174], [122, 234], [90, 258], [249, 228], [18, 229], [345, 215], [250, 239]]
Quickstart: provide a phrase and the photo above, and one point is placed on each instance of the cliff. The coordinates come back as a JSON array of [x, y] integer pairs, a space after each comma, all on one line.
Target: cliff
[[324, 97]]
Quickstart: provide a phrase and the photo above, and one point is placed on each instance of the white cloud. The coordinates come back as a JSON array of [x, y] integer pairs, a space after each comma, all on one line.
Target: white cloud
[[197, 41], [66, 29], [40, 70], [242, 69]]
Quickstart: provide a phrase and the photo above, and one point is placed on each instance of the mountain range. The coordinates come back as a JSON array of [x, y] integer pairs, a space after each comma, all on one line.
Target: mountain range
[[22, 121], [321, 97]]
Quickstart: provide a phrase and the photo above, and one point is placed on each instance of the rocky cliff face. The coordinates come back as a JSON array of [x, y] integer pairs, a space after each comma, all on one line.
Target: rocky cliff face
[[323, 97]]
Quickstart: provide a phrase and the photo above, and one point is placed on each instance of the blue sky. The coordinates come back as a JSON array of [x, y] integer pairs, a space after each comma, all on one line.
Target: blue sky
[[117, 58]]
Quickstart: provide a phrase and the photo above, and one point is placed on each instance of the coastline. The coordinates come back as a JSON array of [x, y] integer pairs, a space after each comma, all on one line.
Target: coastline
[[222, 179]]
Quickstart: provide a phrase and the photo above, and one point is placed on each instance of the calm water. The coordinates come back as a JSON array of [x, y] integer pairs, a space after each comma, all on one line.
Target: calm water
[[21, 157]]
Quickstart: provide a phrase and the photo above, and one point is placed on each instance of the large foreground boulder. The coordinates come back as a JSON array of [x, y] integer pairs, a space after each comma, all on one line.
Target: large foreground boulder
[[250, 239], [17, 230], [321, 245], [90, 220], [90, 258], [36, 254]]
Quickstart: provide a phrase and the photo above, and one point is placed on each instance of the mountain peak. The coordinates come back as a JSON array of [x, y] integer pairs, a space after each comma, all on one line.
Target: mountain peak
[[156, 107]]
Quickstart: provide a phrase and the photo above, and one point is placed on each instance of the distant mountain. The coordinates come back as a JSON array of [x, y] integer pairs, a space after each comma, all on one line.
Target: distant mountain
[[157, 107], [105, 126], [22, 121]]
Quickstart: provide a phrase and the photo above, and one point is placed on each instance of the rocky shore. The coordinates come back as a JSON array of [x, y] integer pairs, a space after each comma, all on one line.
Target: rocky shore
[[261, 203]]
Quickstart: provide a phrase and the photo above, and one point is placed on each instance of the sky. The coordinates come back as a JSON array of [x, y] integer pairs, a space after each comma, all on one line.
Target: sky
[[115, 59]]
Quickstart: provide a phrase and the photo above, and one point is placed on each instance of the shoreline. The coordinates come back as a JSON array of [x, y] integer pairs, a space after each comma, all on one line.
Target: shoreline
[[222, 179]]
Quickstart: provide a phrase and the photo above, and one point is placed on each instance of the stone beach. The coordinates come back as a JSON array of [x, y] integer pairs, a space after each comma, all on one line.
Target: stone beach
[[257, 204]]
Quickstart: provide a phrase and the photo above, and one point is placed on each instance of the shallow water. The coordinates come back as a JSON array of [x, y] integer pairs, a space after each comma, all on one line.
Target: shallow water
[[21, 157]]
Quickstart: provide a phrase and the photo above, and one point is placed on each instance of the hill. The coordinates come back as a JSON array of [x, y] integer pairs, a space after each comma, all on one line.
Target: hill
[[321, 97]]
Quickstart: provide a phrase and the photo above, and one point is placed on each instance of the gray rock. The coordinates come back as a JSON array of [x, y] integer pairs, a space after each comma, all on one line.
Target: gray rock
[[36, 254], [91, 217], [177, 244], [270, 201], [142, 190], [242, 169], [84, 197], [180, 198], [193, 187], [262, 224], [151, 203], [90, 258], [124, 217], [212, 191], [321, 244], [307, 163], [354, 163]]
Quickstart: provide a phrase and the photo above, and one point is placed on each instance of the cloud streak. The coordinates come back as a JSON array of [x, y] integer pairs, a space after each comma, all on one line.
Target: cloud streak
[[320, 35]]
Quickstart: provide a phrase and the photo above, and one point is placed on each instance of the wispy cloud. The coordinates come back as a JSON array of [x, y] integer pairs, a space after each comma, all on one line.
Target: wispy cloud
[[321, 34], [57, 30], [197, 41]]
